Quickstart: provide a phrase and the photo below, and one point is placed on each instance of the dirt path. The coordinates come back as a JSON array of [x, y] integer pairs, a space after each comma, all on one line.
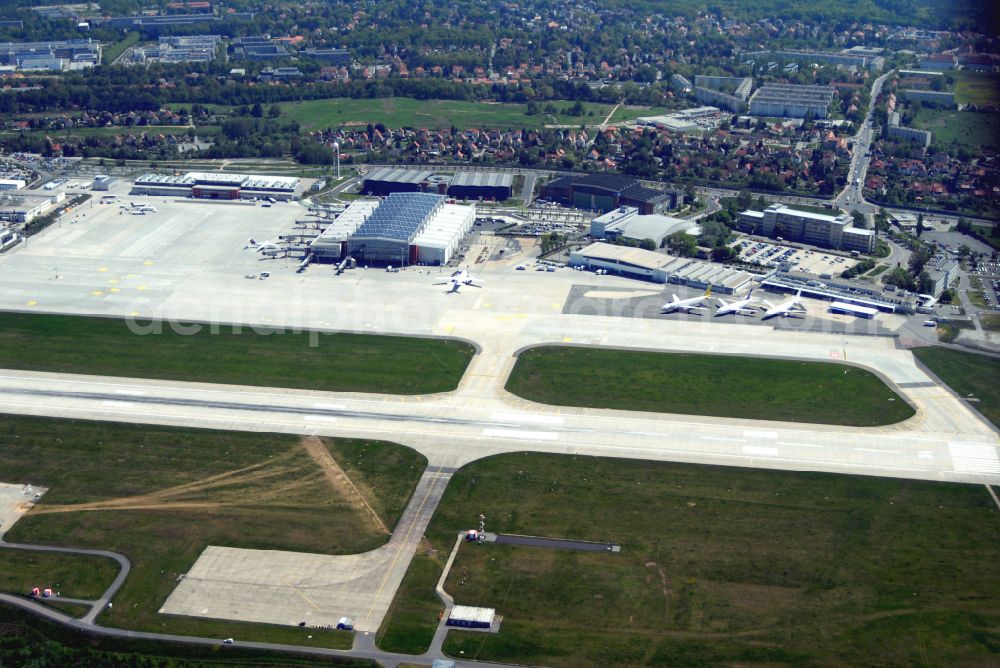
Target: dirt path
[[339, 481]]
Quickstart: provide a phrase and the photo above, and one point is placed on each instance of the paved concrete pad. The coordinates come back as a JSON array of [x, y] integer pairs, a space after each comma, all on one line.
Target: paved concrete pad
[[278, 587], [15, 501]]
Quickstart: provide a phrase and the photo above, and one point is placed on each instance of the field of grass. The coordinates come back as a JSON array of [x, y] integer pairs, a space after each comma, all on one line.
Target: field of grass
[[977, 298], [877, 271], [816, 209], [973, 129], [396, 112], [409, 626], [161, 495], [75, 576], [340, 362], [626, 113], [29, 640], [718, 385], [976, 88], [118, 48], [970, 375], [721, 566], [990, 322]]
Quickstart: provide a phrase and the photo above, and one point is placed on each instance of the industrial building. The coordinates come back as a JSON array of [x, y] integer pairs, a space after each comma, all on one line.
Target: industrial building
[[217, 185], [857, 56], [400, 230], [337, 57], [685, 120], [481, 185], [727, 92], [182, 49], [59, 55], [605, 192], [388, 180], [626, 223], [258, 48], [816, 229], [11, 184], [22, 207], [660, 267], [789, 100], [853, 309]]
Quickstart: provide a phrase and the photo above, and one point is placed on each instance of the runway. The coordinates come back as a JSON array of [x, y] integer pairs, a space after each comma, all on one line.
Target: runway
[[455, 428]]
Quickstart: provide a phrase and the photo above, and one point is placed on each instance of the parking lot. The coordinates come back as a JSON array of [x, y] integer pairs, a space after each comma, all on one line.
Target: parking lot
[[816, 262]]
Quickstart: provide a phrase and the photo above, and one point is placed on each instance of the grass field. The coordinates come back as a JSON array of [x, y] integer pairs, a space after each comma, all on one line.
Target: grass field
[[341, 362], [763, 389], [721, 566], [75, 576], [161, 495], [409, 626], [976, 88], [396, 112], [29, 640], [970, 375], [815, 209], [973, 129]]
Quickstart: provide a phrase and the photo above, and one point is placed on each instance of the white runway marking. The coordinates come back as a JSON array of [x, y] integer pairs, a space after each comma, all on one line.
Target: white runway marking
[[320, 418], [759, 450], [799, 445], [520, 433], [118, 404], [499, 416], [887, 452], [974, 458], [759, 434], [722, 438], [330, 407], [131, 393]]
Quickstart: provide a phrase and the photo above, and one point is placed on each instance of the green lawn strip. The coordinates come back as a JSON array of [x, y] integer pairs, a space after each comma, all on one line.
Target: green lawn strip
[[338, 362], [717, 385], [721, 565], [272, 495], [72, 575], [412, 620], [968, 374], [73, 609], [878, 270], [118, 48], [630, 113], [976, 297], [31, 640], [815, 209]]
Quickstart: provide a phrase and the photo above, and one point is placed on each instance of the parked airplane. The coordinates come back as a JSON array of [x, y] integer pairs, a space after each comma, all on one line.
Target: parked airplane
[[460, 278], [741, 307], [790, 307], [687, 305]]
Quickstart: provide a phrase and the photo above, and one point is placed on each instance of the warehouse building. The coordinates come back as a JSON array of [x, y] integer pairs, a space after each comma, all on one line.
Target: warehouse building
[[789, 100], [627, 224], [605, 192], [660, 267], [390, 180], [217, 185], [481, 185], [71, 54], [816, 229], [410, 228], [11, 184]]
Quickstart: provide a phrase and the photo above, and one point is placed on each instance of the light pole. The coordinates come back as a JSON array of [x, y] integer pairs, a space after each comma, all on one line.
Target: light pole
[[336, 150]]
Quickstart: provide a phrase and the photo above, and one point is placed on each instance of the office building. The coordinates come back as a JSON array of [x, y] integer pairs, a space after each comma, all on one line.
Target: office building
[[807, 227]]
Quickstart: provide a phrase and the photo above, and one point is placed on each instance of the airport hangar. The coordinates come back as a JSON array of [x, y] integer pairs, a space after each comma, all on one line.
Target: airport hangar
[[606, 192], [494, 186], [660, 267], [217, 185], [626, 223], [399, 230]]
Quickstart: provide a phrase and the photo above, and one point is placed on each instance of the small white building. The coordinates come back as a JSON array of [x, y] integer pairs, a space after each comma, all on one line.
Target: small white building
[[466, 616], [12, 184]]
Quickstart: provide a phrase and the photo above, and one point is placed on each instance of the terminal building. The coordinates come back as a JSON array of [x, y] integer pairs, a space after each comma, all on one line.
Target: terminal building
[[400, 230], [816, 229], [625, 223], [17, 206], [481, 185], [605, 192], [660, 267], [217, 185]]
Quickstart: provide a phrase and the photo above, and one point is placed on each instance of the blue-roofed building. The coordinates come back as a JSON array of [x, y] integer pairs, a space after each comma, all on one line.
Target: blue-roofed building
[[410, 228]]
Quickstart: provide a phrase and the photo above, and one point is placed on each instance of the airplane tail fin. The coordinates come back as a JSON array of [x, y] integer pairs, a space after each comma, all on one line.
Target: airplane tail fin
[[708, 292], [675, 298]]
